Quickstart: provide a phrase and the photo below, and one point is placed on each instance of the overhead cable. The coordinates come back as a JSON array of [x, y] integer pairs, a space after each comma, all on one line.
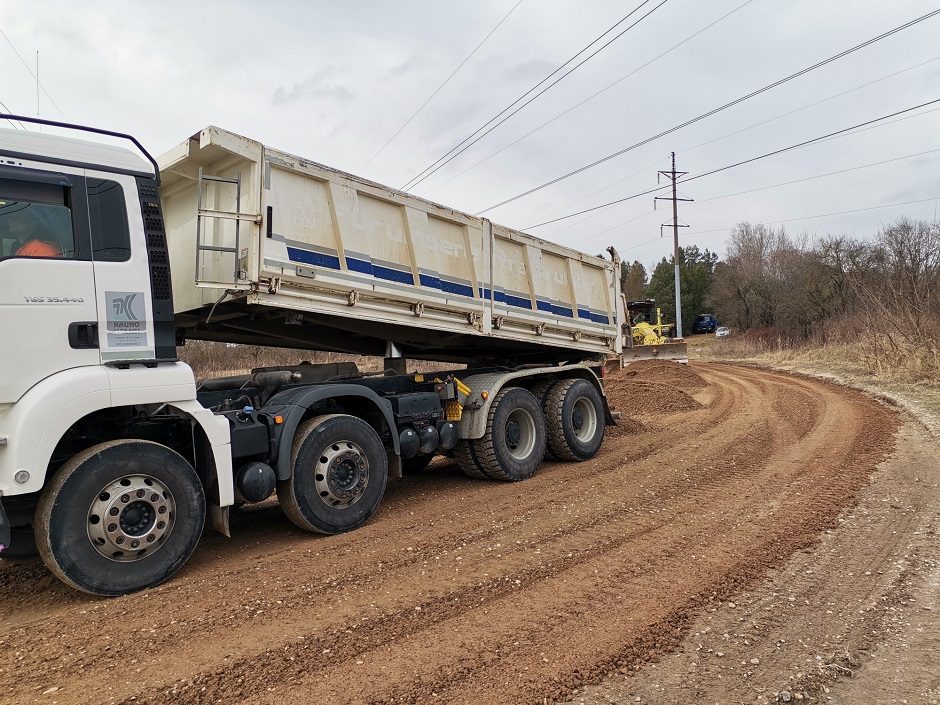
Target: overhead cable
[[31, 73], [713, 111], [476, 135], [733, 165], [438, 89], [592, 96]]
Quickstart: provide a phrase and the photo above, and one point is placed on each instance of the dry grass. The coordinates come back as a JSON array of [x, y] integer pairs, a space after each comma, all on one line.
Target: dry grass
[[876, 358], [209, 359]]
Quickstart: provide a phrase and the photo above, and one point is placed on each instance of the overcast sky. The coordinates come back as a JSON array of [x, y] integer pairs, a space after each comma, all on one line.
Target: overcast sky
[[332, 81]]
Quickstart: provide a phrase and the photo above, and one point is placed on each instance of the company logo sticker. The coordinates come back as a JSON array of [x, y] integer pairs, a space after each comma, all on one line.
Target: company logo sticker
[[127, 325]]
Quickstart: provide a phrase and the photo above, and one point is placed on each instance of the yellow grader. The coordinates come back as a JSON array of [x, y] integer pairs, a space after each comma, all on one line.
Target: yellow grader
[[650, 338]]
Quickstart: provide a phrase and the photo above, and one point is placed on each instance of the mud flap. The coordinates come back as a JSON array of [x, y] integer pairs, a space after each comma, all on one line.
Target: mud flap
[[394, 465], [220, 519], [5, 531]]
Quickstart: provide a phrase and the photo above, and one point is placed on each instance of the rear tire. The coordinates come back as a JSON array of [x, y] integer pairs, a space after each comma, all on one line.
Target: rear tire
[[540, 390], [120, 516], [574, 415], [514, 443], [339, 474]]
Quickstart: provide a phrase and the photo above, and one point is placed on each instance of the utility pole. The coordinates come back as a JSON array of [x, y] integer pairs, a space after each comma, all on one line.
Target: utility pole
[[674, 176]]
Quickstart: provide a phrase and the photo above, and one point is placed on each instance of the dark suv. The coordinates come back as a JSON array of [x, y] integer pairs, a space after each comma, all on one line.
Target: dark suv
[[705, 323]]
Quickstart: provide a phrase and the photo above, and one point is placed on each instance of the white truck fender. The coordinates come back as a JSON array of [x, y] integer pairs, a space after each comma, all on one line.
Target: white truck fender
[[35, 424]]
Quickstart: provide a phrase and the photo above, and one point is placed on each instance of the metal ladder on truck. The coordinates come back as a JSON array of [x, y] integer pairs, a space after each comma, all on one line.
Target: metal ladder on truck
[[204, 215]]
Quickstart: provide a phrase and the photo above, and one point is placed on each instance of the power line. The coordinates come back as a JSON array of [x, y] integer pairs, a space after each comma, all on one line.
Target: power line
[[454, 154], [822, 215], [508, 107], [595, 214], [806, 142], [463, 145], [438, 89], [739, 163], [732, 103], [640, 244], [811, 105], [618, 225], [594, 193], [8, 111], [739, 131], [31, 73], [765, 188], [819, 176], [591, 97], [823, 138], [788, 220]]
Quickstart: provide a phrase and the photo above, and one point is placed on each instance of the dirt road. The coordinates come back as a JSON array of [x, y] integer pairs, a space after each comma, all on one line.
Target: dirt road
[[477, 592]]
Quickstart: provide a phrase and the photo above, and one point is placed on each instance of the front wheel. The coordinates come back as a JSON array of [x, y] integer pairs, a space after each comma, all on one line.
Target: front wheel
[[339, 475], [120, 516]]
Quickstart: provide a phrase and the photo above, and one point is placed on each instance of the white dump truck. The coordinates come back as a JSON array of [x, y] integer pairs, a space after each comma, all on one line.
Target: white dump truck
[[113, 456]]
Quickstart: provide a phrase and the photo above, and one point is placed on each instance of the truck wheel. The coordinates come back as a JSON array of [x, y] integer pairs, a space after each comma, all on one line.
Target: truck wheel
[[514, 444], [120, 516], [339, 475], [574, 415]]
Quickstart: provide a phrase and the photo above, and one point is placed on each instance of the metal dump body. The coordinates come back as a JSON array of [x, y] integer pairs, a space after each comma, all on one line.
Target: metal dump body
[[316, 258]]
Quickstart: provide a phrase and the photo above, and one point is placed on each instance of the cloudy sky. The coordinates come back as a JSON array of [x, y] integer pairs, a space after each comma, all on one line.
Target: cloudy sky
[[333, 81]]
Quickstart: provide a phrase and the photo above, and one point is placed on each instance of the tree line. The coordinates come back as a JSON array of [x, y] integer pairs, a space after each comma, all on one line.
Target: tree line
[[799, 286]]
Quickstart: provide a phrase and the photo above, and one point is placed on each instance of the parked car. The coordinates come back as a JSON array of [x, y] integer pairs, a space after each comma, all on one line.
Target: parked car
[[722, 332], [705, 323]]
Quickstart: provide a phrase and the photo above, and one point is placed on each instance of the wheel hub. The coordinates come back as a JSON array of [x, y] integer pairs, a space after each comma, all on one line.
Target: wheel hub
[[131, 517], [584, 420], [137, 518], [520, 434], [513, 433], [342, 474]]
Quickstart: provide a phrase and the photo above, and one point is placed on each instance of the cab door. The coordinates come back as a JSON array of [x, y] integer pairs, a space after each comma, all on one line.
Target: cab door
[[126, 330], [48, 312]]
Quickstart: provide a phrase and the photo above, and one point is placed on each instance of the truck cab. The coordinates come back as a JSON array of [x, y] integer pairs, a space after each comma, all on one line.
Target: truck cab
[[86, 302]]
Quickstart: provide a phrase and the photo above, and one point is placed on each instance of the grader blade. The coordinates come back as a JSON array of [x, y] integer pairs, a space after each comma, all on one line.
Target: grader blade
[[677, 352]]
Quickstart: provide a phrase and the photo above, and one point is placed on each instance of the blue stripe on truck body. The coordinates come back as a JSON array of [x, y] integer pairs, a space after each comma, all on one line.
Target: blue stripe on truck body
[[435, 282]]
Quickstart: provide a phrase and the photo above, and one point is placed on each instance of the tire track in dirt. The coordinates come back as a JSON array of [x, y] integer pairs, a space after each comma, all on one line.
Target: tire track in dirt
[[573, 614], [229, 627], [861, 599]]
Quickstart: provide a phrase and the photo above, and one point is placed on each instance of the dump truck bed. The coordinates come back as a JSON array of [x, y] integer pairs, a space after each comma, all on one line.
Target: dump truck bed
[[272, 249]]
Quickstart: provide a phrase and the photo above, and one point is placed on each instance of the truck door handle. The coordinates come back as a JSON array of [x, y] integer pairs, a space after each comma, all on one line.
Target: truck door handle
[[83, 335]]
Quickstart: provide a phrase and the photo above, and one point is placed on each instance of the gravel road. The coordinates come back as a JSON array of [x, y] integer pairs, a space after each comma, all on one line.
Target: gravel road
[[464, 591]]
